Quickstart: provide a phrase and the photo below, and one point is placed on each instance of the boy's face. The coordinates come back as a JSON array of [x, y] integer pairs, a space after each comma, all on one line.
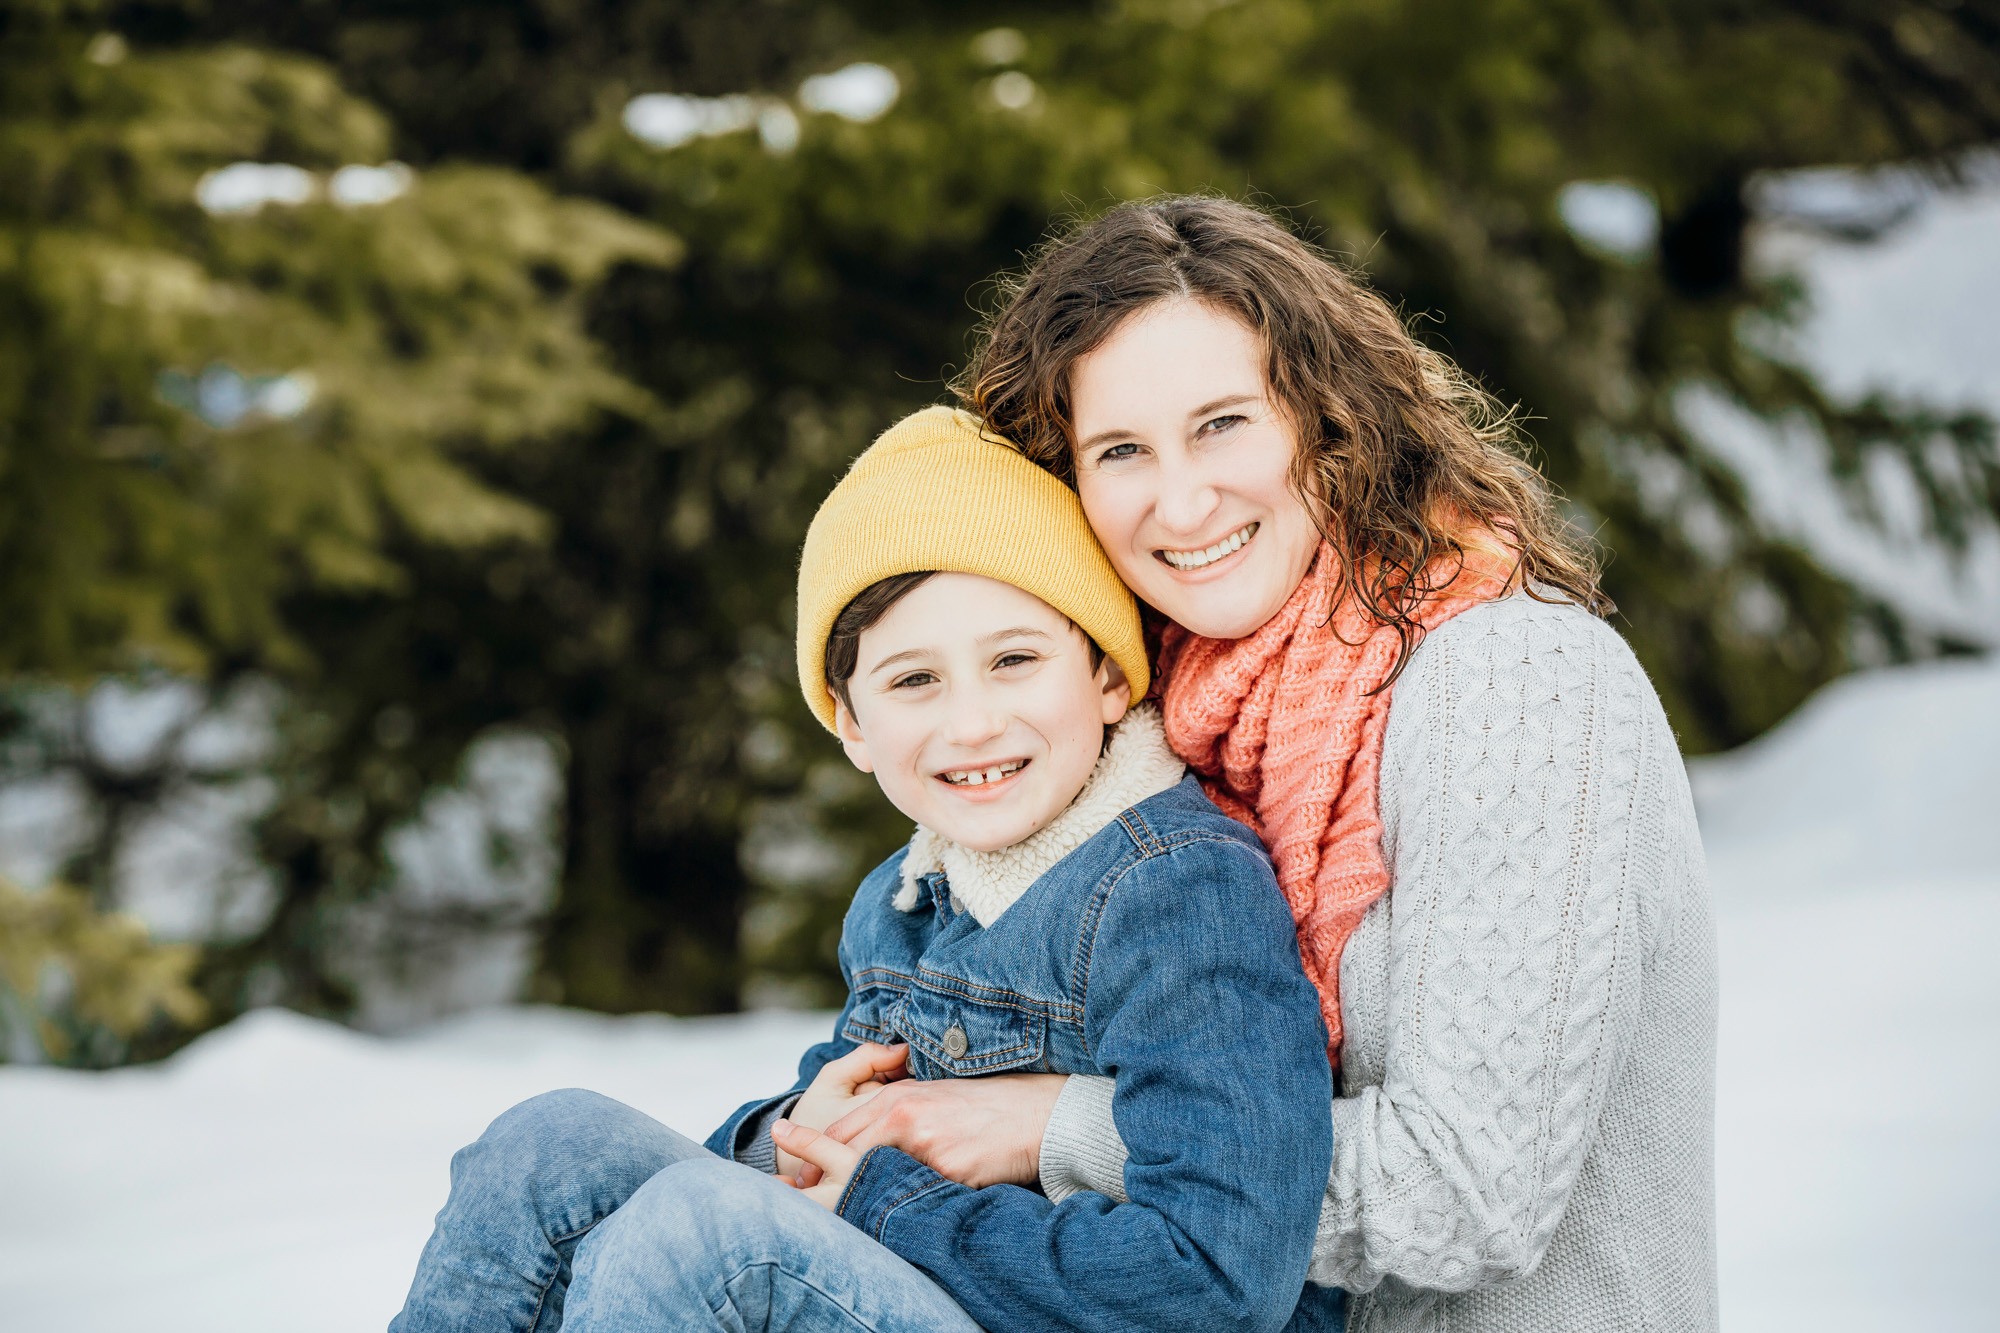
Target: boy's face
[[977, 709]]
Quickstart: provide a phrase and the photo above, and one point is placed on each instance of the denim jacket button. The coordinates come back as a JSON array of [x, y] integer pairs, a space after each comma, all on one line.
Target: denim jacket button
[[954, 1041]]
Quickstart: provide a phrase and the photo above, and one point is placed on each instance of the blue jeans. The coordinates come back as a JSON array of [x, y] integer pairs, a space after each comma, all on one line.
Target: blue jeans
[[577, 1212]]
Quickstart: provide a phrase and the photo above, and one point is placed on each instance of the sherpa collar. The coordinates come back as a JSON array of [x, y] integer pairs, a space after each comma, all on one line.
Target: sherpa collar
[[1136, 764]]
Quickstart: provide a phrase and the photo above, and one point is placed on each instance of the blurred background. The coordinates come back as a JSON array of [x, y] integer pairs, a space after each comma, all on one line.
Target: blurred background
[[410, 413]]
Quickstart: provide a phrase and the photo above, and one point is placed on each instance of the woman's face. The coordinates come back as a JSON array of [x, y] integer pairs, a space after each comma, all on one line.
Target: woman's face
[[1183, 461]]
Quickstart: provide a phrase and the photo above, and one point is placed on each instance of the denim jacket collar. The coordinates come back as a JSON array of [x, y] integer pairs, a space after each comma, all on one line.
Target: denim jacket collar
[[1137, 763]]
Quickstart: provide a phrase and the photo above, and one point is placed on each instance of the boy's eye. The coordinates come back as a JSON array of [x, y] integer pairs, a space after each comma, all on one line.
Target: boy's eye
[[1014, 659], [915, 680]]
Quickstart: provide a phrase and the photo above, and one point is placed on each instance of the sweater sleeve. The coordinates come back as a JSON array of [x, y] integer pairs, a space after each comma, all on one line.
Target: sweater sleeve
[[1081, 1149], [1526, 757], [1525, 769]]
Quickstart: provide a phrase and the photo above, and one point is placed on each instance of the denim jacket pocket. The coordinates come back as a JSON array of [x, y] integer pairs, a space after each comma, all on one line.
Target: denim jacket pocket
[[960, 1036], [871, 1006]]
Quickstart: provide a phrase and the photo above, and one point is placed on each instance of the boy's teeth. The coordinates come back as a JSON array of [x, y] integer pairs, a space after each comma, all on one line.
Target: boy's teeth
[[979, 777], [1197, 559]]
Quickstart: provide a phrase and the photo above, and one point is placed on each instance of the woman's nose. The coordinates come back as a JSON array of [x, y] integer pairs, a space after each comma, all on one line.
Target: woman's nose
[[1187, 498]]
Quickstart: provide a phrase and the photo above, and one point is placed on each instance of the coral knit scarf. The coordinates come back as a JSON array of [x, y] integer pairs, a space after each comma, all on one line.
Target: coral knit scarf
[[1285, 728]]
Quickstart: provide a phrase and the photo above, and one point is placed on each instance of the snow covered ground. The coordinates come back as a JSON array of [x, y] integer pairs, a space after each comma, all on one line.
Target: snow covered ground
[[280, 1174], [1855, 855]]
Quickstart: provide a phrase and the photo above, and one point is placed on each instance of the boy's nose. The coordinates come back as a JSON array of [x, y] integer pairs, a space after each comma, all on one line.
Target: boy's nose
[[974, 722]]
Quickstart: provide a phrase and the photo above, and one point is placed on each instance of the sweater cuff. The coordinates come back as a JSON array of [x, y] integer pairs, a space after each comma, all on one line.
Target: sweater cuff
[[1081, 1149], [884, 1180], [755, 1148]]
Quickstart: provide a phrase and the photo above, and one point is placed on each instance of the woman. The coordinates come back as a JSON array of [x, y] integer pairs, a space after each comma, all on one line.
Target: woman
[[1381, 650]]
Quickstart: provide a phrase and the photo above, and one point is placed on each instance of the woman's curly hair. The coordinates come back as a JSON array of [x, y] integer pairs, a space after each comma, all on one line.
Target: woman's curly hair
[[1400, 454]]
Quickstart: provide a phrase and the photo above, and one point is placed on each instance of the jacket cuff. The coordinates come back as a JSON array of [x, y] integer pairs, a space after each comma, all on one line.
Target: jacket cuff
[[748, 1122], [1081, 1149], [884, 1180], [754, 1146]]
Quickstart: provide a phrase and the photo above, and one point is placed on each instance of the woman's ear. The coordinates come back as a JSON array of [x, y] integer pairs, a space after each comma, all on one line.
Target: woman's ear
[[1115, 691], [851, 739]]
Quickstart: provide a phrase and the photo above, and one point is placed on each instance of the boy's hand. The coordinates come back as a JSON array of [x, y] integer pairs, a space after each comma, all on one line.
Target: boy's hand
[[839, 1087], [832, 1161]]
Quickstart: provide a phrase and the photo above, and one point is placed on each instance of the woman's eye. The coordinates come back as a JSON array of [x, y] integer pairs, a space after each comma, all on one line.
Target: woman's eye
[[1118, 453], [1217, 425]]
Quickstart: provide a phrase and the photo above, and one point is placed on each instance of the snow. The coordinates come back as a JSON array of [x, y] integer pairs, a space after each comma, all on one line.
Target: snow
[[1912, 313], [1878, 778], [1855, 857], [281, 1173]]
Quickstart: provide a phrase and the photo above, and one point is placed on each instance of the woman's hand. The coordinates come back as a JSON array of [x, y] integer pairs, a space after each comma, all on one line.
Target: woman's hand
[[839, 1087], [977, 1131]]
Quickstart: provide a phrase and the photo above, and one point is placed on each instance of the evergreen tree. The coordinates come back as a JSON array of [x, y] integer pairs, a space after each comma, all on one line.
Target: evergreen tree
[[244, 362], [441, 323], [77, 984]]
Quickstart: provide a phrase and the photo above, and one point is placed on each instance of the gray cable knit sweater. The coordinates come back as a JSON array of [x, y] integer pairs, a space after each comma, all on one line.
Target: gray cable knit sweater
[[1523, 1139]]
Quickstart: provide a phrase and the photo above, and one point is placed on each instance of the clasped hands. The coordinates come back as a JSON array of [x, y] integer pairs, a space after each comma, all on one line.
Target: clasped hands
[[977, 1131]]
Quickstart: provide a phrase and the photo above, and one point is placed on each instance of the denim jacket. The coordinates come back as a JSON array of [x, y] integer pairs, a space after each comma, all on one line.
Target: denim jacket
[[1162, 954]]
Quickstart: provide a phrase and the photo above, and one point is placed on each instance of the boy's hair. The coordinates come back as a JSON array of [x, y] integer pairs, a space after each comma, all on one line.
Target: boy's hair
[[843, 644]]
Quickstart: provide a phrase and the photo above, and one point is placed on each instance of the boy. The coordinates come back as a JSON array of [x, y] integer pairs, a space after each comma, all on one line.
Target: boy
[[1069, 904]]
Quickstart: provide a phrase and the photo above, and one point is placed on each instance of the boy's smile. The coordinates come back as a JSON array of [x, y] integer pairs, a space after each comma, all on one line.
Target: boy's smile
[[987, 780], [978, 709]]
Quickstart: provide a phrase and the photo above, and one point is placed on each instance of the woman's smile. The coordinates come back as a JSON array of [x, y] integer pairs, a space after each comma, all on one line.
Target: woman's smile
[[1208, 557]]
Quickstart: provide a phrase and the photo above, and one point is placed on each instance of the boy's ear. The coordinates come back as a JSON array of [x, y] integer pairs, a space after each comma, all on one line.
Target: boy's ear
[[1115, 690], [851, 739]]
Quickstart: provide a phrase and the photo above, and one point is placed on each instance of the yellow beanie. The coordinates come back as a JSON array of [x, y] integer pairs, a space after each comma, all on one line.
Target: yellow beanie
[[937, 492]]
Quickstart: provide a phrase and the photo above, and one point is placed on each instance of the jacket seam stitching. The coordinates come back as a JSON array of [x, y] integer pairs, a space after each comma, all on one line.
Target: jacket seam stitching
[[959, 985], [889, 1209], [1095, 918]]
